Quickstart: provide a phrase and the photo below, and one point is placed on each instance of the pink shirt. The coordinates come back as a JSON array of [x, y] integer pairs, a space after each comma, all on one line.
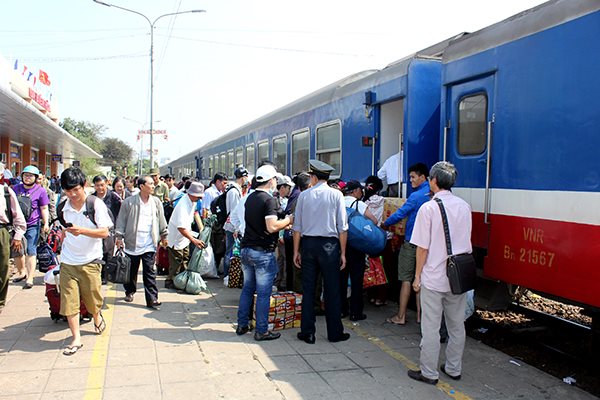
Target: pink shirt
[[429, 234]]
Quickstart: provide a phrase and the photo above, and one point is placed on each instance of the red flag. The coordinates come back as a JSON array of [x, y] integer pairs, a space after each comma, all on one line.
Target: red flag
[[44, 78]]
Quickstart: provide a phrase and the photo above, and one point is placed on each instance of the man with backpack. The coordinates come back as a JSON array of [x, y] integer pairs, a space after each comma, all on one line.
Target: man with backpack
[[34, 201], [230, 200], [217, 237], [113, 203], [11, 218], [86, 222]]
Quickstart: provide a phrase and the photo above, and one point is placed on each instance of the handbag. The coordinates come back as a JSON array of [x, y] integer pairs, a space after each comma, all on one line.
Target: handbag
[[374, 274], [236, 275], [460, 268], [118, 268]]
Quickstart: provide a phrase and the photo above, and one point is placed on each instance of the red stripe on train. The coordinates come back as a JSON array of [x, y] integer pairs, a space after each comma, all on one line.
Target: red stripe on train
[[559, 258]]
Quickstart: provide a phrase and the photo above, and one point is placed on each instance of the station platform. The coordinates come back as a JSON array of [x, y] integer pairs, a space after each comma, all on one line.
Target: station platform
[[189, 350]]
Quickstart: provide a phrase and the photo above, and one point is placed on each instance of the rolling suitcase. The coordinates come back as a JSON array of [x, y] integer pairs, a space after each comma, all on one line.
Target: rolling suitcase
[[53, 296]]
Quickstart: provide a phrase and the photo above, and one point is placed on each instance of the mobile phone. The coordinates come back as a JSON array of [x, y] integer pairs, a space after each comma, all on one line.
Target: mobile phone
[[68, 225]]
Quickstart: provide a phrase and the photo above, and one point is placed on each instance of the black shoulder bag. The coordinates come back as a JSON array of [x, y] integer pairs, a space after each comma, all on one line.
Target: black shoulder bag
[[461, 268]]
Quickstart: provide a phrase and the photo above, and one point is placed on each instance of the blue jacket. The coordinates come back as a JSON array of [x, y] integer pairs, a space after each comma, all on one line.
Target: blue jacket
[[410, 208]]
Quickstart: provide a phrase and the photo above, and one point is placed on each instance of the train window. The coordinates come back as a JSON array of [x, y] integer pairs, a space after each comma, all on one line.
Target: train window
[[239, 157], [472, 118], [263, 152], [230, 162], [211, 167], [300, 145], [329, 149], [250, 158], [223, 163], [280, 154]]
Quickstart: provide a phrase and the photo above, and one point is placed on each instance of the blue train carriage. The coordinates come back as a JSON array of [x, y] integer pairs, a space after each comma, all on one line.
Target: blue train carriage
[[185, 165], [520, 120], [354, 124]]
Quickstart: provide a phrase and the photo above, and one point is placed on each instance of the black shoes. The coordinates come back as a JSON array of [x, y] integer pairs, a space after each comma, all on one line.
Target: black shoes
[[242, 330], [358, 317], [417, 376], [343, 338], [155, 306], [307, 337], [266, 336], [129, 297], [28, 286], [443, 369]]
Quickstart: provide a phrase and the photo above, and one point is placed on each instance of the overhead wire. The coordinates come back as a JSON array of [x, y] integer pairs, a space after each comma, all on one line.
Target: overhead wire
[[169, 33]]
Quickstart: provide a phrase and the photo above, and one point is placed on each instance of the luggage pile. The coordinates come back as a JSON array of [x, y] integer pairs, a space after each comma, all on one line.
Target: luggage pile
[[285, 311]]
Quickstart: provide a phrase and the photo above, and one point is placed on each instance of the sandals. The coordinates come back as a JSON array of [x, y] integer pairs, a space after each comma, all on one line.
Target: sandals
[[19, 279], [70, 350], [101, 326], [393, 320]]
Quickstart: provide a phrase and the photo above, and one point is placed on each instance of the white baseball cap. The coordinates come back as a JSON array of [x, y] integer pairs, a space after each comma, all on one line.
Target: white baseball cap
[[265, 173]]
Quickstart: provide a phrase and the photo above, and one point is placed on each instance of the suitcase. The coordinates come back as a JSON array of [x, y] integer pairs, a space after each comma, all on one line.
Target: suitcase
[[53, 297], [162, 261]]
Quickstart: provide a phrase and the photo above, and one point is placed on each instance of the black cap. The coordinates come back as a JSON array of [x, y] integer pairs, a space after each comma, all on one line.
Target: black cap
[[319, 167], [352, 185], [240, 172]]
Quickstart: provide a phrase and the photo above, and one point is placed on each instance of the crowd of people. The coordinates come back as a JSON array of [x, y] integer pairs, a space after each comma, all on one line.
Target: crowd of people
[[291, 232]]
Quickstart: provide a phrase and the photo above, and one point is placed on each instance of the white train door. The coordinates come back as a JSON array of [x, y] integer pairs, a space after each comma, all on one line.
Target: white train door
[[390, 135]]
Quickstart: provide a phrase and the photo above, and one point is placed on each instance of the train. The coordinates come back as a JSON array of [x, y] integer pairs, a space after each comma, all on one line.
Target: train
[[514, 106]]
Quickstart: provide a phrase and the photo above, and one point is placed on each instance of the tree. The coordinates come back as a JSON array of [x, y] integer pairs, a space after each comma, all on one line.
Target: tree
[[87, 132], [116, 153]]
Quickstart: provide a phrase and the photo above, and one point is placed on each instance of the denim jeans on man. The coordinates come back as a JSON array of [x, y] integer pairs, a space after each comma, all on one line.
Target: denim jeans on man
[[229, 241], [259, 268]]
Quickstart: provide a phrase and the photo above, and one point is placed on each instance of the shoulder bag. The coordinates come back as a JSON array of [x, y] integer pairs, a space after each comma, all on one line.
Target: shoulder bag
[[461, 268]]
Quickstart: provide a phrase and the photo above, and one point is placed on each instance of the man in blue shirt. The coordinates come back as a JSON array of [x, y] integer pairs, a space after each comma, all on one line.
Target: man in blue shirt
[[418, 174]]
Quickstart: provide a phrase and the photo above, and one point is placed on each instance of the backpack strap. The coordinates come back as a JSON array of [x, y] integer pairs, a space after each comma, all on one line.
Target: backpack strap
[[353, 203], [89, 212]]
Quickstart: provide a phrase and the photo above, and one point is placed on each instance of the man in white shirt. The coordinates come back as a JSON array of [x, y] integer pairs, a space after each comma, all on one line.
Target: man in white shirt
[[430, 277], [180, 232], [218, 186], [140, 225], [81, 251], [391, 173], [234, 195]]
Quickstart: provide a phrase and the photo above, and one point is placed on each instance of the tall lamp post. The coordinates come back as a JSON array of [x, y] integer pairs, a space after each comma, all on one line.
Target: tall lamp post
[[151, 24]]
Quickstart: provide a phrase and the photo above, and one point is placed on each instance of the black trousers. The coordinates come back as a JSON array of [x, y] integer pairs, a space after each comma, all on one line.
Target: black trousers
[[148, 273], [355, 268], [321, 254]]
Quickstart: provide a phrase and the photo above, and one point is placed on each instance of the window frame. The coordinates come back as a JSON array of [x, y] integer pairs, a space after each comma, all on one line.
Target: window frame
[[239, 149], [251, 168], [222, 162], [258, 150], [230, 162], [460, 100], [295, 133], [331, 150], [285, 137]]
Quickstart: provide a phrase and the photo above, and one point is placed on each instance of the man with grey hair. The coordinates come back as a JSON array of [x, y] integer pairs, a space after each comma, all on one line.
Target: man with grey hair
[[431, 280]]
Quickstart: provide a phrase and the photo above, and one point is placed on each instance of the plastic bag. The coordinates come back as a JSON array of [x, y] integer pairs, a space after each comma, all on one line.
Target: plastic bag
[[190, 281], [203, 262]]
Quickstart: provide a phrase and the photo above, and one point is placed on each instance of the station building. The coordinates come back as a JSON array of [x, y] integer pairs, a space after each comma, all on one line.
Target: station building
[[29, 130]]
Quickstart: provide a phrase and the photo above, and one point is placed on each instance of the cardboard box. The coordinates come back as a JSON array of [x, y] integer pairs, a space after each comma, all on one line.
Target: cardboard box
[[390, 206], [285, 311]]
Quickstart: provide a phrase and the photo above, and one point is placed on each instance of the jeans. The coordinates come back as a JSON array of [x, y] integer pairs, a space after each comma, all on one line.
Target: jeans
[[229, 241], [148, 274], [259, 268]]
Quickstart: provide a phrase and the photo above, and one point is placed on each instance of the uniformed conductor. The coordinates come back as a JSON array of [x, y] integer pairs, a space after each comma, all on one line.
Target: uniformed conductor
[[320, 221]]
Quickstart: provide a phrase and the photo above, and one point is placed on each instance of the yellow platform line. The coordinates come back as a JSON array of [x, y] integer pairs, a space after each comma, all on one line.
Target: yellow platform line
[[95, 381], [409, 364]]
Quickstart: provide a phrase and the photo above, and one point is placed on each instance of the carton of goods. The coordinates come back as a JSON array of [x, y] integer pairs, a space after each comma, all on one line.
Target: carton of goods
[[285, 311], [390, 205]]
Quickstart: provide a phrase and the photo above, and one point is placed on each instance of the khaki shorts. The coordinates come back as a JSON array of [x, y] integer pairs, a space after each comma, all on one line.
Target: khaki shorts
[[407, 262], [80, 282]]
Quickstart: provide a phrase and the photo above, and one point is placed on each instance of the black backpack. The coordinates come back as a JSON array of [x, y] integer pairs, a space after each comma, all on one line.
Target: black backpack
[[26, 205], [219, 206], [89, 212], [46, 258]]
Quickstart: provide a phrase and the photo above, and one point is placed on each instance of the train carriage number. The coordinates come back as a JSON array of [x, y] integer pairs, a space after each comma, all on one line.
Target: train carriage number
[[528, 255]]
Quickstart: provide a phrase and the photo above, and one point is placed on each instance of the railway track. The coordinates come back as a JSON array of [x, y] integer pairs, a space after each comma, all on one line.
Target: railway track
[[559, 346]]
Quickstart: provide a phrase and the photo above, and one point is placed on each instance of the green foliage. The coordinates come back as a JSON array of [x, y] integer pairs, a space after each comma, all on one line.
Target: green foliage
[[116, 153], [89, 166], [87, 132]]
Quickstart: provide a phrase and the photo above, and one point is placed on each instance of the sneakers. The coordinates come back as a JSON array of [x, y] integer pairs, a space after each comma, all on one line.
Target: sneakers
[[266, 336]]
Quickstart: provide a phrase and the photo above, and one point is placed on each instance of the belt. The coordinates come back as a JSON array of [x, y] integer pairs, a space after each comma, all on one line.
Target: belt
[[5, 226]]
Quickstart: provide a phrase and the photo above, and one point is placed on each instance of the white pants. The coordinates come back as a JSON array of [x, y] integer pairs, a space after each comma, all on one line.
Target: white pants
[[452, 306]]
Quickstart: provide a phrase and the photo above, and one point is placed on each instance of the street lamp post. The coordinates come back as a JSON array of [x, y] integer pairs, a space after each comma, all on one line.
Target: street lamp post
[[151, 24]]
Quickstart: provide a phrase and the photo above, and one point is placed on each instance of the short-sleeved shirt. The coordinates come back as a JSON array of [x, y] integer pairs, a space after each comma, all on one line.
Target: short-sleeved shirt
[[260, 205], [320, 211], [39, 198], [209, 195], [182, 217], [82, 249], [234, 195], [429, 234], [162, 191], [174, 193]]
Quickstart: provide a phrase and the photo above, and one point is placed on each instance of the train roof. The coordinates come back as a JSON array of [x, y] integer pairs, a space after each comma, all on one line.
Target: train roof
[[528, 22]]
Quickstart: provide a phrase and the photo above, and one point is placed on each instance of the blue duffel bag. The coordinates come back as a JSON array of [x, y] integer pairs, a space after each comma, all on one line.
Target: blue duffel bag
[[363, 234]]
